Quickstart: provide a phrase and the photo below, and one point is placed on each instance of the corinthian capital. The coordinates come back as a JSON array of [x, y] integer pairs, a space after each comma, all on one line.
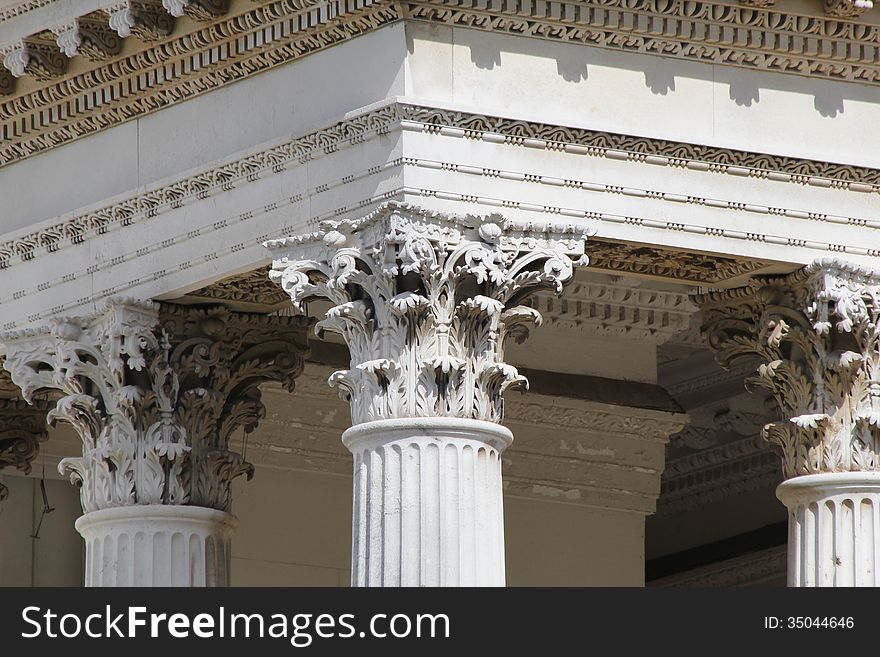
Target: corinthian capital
[[816, 336], [155, 392], [425, 302]]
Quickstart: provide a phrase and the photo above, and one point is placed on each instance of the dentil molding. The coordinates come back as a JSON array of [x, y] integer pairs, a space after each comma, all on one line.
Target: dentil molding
[[217, 179], [270, 34]]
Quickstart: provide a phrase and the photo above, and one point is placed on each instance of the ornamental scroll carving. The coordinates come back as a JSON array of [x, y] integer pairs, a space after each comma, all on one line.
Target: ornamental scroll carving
[[425, 302], [155, 392], [816, 335], [22, 429]]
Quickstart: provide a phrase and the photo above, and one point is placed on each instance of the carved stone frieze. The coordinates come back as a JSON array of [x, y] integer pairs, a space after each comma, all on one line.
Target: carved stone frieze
[[7, 82], [90, 36], [251, 289], [668, 263], [155, 393], [816, 334], [37, 56], [425, 302], [847, 8], [717, 33], [146, 19], [752, 569]]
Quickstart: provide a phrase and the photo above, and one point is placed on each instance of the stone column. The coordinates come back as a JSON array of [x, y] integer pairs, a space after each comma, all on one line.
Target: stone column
[[425, 302], [155, 392], [816, 338]]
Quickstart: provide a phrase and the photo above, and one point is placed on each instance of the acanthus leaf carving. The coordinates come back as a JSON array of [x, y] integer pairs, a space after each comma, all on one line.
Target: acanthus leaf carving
[[815, 335], [425, 301], [146, 19], [155, 392]]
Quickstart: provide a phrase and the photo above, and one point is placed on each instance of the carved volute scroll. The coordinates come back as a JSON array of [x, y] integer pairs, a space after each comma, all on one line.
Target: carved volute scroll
[[816, 335], [155, 392], [425, 302]]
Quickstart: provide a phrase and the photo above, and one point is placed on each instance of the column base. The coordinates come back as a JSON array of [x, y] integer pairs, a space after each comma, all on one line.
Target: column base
[[833, 529], [427, 502], [157, 545]]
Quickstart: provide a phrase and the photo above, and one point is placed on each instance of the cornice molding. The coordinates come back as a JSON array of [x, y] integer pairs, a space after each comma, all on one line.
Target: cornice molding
[[20, 8], [607, 256], [176, 68], [616, 310], [69, 230], [715, 33], [750, 569], [756, 470]]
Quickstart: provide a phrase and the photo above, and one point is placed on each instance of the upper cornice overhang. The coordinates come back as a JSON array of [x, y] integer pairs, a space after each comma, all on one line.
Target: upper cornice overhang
[[254, 36]]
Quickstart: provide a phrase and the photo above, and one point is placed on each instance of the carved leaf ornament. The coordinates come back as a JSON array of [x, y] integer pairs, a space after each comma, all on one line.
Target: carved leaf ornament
[[425, 302], [816, 335]]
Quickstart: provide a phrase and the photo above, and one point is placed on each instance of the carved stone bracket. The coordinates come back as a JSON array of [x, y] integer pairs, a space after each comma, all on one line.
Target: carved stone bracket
[[37, 55], [816, 333], [837, 8], [155, 392], [847, 8], [425, 302], [200, 10], [89, 36], [146, 19], [22, 429]]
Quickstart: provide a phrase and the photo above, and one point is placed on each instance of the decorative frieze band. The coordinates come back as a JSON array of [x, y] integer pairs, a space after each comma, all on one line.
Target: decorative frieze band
[[175, 69], [592, 143], [752, 569], [272, 34]]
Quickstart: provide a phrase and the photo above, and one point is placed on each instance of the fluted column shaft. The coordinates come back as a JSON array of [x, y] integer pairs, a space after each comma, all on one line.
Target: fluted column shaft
[[833, 529], [156, 545], [427, 502]]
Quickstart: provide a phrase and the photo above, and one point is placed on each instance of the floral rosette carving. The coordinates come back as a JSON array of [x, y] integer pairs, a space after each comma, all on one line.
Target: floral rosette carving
[[155, 393], [425, 302], [816, 341]]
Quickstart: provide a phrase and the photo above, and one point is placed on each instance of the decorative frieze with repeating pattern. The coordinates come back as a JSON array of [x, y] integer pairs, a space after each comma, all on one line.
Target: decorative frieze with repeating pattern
[[155, 393], [74, 230], [273, 33]]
